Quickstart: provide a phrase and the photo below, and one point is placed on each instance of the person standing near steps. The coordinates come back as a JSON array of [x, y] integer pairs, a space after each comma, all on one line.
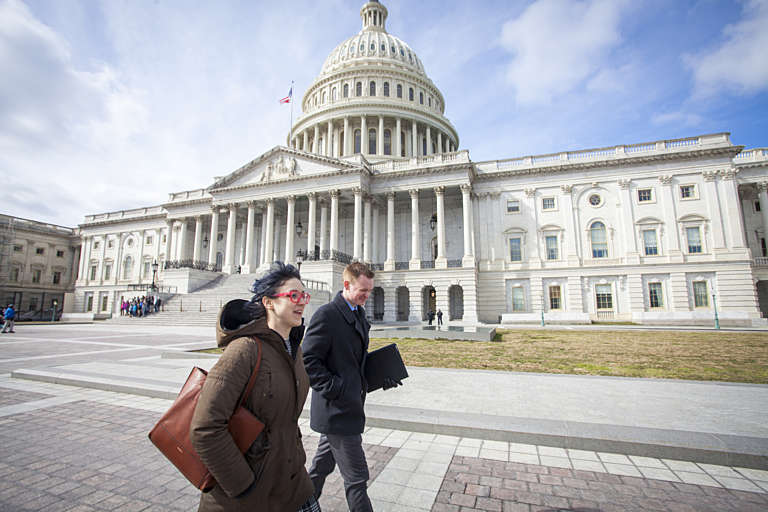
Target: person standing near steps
[[335, 349]]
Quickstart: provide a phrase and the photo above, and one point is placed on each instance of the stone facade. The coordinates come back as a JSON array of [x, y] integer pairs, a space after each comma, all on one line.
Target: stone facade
[[663, 232]]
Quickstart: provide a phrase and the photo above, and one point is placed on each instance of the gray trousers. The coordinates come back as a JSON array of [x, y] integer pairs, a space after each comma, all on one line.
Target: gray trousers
[[8, 324], [347, 452]]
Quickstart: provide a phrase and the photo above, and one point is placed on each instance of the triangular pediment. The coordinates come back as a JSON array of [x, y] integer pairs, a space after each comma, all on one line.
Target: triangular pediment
[[278, 165]]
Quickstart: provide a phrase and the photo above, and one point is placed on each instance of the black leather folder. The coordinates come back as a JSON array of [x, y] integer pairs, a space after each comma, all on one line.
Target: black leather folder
[[382, 363]]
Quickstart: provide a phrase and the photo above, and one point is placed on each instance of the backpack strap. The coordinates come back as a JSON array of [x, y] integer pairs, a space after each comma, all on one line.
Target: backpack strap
[[252, 381]]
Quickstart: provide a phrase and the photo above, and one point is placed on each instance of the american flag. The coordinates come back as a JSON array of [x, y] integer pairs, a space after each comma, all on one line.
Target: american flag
[[287, 99]]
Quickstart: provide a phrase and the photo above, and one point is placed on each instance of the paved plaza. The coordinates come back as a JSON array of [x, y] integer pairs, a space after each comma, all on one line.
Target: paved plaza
[[77, 448]]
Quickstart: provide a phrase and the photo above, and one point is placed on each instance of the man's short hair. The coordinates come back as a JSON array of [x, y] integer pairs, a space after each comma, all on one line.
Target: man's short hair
[[357, 269]]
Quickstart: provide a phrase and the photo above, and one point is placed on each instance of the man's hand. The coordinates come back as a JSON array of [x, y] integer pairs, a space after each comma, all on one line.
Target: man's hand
[[389, 383]]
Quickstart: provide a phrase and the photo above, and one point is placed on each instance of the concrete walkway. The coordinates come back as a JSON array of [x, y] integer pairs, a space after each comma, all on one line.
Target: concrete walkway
[[715, 423]]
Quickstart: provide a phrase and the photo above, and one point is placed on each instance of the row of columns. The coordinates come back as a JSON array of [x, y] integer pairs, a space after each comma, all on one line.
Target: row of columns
[[86, 255], [337, 145]]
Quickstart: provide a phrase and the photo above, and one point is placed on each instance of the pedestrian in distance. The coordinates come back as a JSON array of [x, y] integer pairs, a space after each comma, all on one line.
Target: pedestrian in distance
[[9, 315], [439, 318], [431, 316], [335, 350], [270, 476]]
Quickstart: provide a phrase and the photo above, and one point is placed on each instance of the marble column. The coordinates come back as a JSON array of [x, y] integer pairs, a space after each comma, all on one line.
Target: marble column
[[572, 252], [290, 226], [415, 262], [198, 238], [168, 236], [440, 142], [248, 264], [414, 139], [305, 141], [628, 223], [732, 208], [334, 242], [214, 236], [323, 227], [82, 267], [357, 227], [380, 138], [667, 207], [363, 136], [269, 239], [713, 207], [762, 190], [229, 253], [311, 225], [398, 143], [181, 246], [367, 229], [466, 207], [316, 140], [429, 140], [441, 261], [329, 139], [346, 151], [389, 263], [375, 232], [263, 238]]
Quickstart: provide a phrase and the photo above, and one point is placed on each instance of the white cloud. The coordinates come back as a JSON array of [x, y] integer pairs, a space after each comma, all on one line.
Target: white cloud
[[740, 63], [680, 118], [557, 44]]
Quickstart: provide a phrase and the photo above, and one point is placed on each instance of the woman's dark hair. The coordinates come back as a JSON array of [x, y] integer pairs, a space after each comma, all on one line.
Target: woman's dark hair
[[267, 286]]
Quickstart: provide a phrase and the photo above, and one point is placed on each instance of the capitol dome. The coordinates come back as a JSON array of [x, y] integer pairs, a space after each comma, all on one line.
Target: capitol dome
[[371, 88]]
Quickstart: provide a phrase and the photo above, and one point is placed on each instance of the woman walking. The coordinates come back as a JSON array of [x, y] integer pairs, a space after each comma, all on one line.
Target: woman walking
[[270, 476]]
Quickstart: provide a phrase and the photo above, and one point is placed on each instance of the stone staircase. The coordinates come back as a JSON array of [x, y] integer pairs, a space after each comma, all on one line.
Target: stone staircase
[[201, 307]]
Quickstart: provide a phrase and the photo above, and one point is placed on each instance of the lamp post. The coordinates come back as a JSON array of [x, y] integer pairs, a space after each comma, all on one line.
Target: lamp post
[[154, 274], [714, 305], [299, 254], [53, 312]]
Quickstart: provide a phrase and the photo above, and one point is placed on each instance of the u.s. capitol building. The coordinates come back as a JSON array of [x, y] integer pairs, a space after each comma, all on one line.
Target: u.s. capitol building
[[656, 232]]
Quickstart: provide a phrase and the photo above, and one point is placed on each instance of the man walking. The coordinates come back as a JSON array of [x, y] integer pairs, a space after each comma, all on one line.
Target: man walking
[[335, 349], [439, 318], [9, 316]]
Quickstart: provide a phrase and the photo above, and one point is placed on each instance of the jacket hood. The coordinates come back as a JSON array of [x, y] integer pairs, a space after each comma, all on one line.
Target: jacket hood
[[235, 321]]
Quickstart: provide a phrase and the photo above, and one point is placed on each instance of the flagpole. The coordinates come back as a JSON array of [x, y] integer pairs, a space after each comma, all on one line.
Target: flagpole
[[290, 136]]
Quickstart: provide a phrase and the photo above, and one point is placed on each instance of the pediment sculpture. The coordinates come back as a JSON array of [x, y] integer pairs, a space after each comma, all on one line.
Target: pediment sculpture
[[279, 168]]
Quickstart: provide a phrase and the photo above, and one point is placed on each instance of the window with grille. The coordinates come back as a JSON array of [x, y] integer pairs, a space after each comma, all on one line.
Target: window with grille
[[59, 254], [644, 195], [599, 240], [107, 271], [372, 141], [386, 89], [399, 91], [345, 92], [359, 89], [700, 295], [387, 142], [548, 203], [358, 145], [655, 298], [649, 242], [604, 296], [421, 98], [694, 239], [93, 272], [757, 206], [513, 206], [687, 191], [39, 250], [515, 250], [104, 299], [552, 252], [18, 248], [36, 275], [372, 89], [56, 277], [146, 269], [518, 299], [148, 241], [763, 249], [555, 300], [410, 93]]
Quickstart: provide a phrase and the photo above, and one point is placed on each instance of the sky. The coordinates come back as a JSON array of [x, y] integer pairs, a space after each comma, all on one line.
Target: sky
[[114, 104]]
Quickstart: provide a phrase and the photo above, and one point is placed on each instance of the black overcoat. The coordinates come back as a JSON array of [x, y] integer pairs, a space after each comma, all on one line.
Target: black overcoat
[[335, 348]]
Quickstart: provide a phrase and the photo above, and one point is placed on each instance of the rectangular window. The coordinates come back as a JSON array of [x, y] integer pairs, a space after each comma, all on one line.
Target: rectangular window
[[93, 273], [95, 244], [36, 275], [59, 254], [110, 244], [518, 299], [89, 303], [513, 206], [555, 300], [56, 277], [548, 203], [687, 191], [107, 271], [551, 242], [148, 241], [39, 250], [146, 269], [15, 272], [655, 298], [757, 206], [515, 250], [694, 240], [644, 195], [700, 295], [604, 296], [33, 304], [104, 299], [763, 248], [18, 248], [649, 242], [164, 236]]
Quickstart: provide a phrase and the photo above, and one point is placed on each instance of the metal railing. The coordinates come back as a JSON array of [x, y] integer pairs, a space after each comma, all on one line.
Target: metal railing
[[605, 315], [401, 265], [427, 263], [197, 265], [761, 261], [454, 263], [334, 255], [157, 288], [376, 266]]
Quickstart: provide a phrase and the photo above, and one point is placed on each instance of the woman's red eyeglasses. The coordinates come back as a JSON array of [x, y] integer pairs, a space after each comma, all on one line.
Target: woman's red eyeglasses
[[295, 296]]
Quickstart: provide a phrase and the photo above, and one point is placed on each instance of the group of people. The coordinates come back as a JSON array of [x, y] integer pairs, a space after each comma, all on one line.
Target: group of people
[[9, 318], [431, 317], [140, 306], [330, 358]]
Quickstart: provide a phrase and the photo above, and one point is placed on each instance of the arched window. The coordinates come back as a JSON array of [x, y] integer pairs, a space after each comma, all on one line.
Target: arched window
[[386, 89], [387, 142], [359, 89], [421, 98], [410, 93], [372, 141], [323, 100], [372, 88], [333, 94], [346, 90], [358, 147], [399, 91], [423, 146], [127, 267], [402, 143], [599, 240], [429, 101]]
